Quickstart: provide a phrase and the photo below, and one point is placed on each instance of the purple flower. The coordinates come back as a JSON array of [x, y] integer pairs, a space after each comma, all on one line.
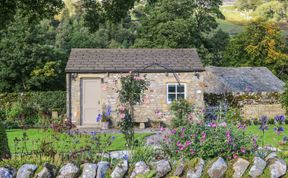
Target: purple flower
[[229, 137], [113, 138], [242, 126], [99, 117], [173, 131], [279, 119], [125, 157], [93, 133], [108, 111], [243, 150], [279, 130], [263, 120]]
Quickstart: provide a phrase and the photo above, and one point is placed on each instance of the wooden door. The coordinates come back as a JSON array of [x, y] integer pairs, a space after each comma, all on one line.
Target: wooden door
[[90, 100]]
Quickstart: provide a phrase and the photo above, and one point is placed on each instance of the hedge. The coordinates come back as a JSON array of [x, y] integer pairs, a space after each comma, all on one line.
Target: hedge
[[30, 105]]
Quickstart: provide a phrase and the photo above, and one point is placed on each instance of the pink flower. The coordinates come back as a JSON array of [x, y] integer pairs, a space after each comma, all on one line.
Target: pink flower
[[173, 131], [188, 143], [178, 144], [162, 129], [122, 116], [243, 150], [223, 124], [121, 108], [212, 124], [235, 156], [192, 151], [181, 148], [203, 137], [228, 136]]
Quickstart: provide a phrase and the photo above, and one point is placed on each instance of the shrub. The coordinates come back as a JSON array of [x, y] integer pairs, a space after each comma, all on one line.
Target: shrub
[[4, 148], [181, 109], [284, 98], [27, 108], [233, 115], [201, 140]]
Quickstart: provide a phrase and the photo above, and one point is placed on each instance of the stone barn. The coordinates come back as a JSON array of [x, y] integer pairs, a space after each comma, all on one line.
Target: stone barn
[[254, 89], [93, 79]]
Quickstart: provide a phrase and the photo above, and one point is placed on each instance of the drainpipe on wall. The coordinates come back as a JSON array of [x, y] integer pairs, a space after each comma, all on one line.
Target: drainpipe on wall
[[69, 97]]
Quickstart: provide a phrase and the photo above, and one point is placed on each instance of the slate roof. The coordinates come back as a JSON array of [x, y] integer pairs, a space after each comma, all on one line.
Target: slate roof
[[125, 60], [241, 79]]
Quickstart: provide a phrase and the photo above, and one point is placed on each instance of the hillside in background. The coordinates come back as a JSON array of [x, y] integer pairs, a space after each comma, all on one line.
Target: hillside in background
[[239, 13]]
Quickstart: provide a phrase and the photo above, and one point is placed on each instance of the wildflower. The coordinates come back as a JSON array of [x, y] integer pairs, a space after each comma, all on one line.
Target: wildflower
[[243, 150], [203, 137], [212, 124], [108, 111], [122, 116], [192, 151], [242, 126], [278, 130], [223, 124], [263, 120], [254, 141], [279, 119], [188, 143], [113, 138], [228, 136], [121, 108], [99, 117], [93, 133], [235, 156], [173, 131], [125, 157], [162, 129], [183, 129]]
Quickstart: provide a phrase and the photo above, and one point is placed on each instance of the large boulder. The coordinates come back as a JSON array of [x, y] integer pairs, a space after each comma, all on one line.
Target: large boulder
[[89, 170], [26, 171], [140, 168], [277, 168], [197, 171], [48, 171], [258, 167], [180, 168], [7, 172], [69, 171], [218, 168], [120, 169], [240, 167], [162, 168], [103, 166]]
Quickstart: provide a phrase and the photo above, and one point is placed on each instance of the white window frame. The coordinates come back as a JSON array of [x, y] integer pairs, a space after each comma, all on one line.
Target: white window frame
[[176, 92]]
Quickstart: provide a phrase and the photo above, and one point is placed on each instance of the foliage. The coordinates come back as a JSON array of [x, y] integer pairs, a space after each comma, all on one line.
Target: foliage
[[248, 5], [131, 93], [182, 24], [261, 44], [33, 11], [97, 13], [142, 153], [233, 115], [4, 148], [28, 60], [208, 141], [31, 107], [284, 98], [180, 109]]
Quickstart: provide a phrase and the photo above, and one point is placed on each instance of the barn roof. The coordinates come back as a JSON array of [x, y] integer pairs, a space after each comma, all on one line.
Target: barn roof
[[125, 60], [241, 79]]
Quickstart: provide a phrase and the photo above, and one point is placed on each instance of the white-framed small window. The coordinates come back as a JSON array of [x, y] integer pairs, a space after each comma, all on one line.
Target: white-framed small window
[[175, 91]]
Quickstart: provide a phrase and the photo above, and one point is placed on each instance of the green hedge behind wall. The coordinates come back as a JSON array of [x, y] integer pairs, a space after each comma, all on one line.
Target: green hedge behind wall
[[29, 106]]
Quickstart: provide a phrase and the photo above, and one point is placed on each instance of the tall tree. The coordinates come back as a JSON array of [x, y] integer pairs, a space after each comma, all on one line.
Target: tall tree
[[179, 24], [261, 44], [33, 10], [28, 58]]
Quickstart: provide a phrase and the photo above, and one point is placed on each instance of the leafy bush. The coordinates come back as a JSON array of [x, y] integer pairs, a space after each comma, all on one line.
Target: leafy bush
[[284, 98], [28, 108], [181, 109], [208, 141], [142, 153], [4, 149]]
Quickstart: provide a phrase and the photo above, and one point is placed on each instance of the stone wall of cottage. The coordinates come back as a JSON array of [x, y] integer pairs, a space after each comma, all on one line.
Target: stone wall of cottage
[[155, 100]]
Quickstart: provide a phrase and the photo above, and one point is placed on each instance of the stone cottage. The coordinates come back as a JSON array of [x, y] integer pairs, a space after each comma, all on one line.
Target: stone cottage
[[93, 79], [254, 89]]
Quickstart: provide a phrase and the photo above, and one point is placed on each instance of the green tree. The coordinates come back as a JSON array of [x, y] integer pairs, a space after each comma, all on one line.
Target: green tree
[[33, 10], [180, 24], [261, 44], [26, 52], [4, 148], [249, 4]]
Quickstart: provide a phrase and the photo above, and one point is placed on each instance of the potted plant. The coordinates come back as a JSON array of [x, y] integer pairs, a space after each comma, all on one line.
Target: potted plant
[[105, 117]]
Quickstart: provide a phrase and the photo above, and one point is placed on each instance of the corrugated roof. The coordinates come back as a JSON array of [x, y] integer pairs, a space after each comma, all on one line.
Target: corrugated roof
[[241, 79], [125, 60]]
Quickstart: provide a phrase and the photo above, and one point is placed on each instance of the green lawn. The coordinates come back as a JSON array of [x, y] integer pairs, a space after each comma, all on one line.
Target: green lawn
[[65, 141], [270, 138]]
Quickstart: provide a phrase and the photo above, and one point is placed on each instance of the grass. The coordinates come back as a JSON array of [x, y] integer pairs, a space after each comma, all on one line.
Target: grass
[[271, 138], [65, 141]]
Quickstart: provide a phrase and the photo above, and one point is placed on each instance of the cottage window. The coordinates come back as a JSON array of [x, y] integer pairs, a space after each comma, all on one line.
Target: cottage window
[[175, 92]]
